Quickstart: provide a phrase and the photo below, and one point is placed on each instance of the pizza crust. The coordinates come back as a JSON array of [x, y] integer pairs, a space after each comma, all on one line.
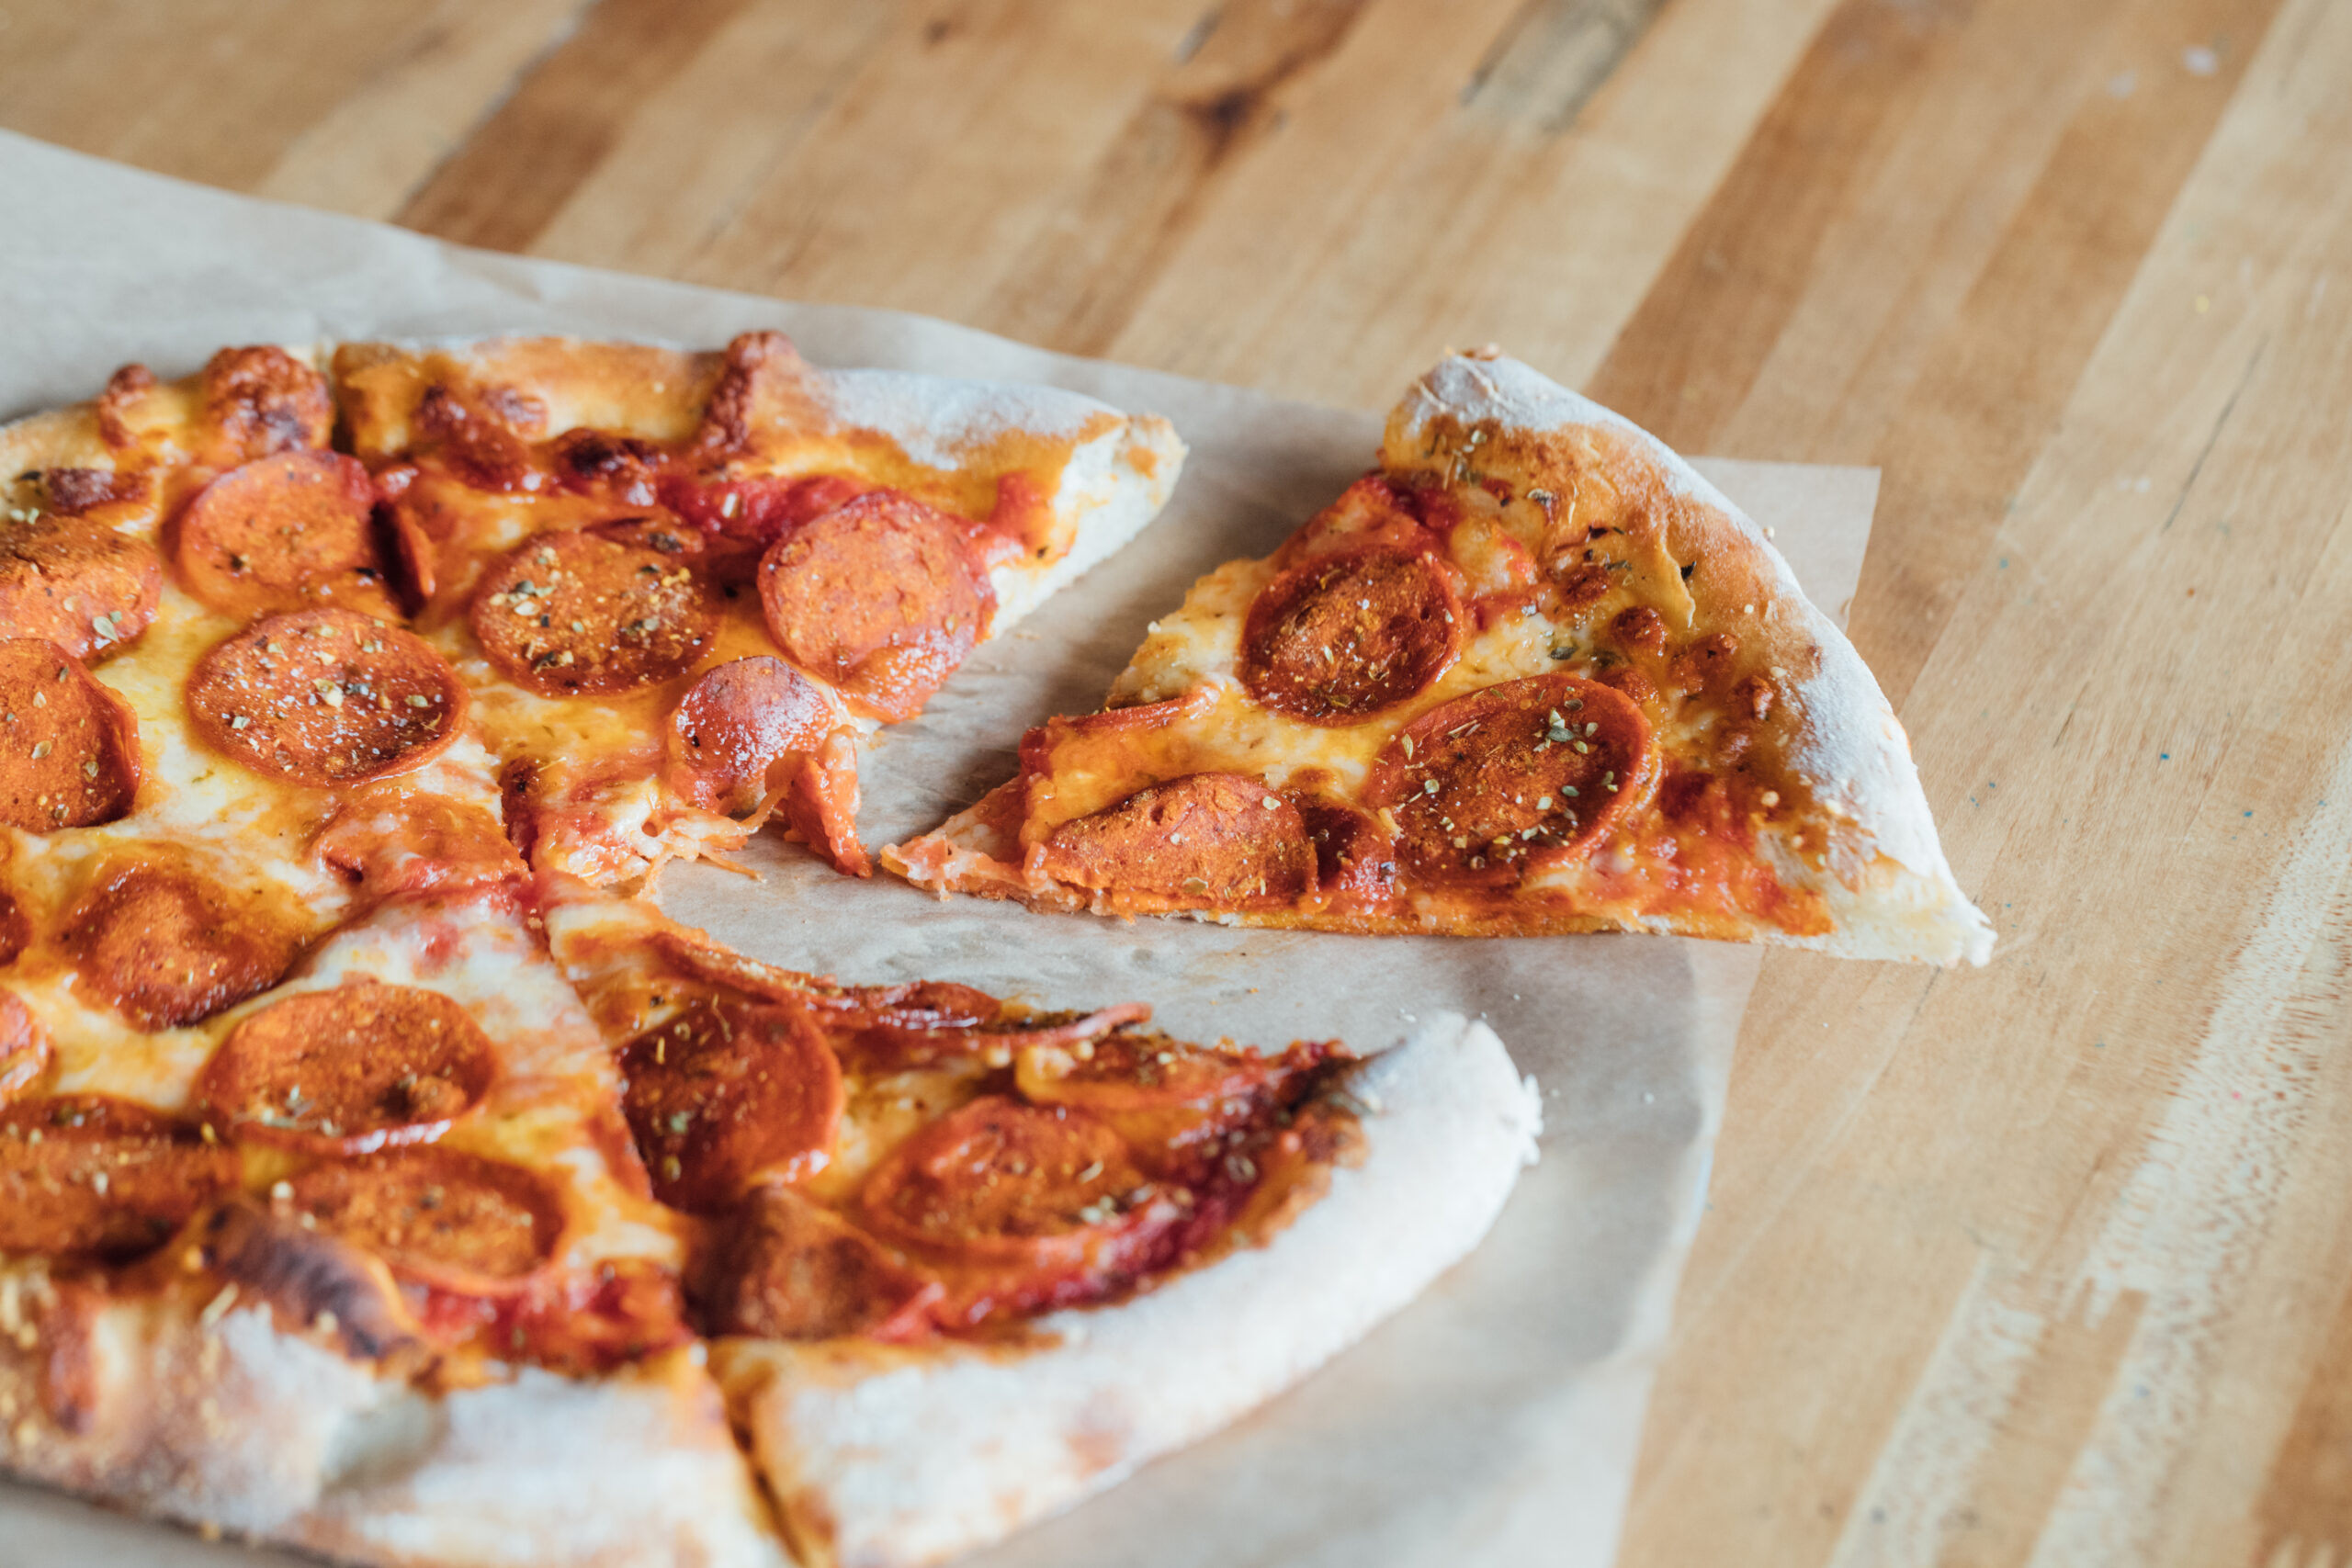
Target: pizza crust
[[209, 1413], [884, 1459]]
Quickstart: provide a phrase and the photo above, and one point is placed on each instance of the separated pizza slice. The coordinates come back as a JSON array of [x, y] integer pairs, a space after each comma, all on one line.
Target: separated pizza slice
[[1530, 675], [964, 1263], [683, 586]]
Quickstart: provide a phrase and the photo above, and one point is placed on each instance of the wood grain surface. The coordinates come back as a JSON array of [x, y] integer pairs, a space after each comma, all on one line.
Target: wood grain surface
[[2047, 1263]]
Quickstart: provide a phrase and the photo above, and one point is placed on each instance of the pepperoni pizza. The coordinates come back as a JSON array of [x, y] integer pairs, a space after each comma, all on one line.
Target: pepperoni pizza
[[381, 1173], [1532, 674]]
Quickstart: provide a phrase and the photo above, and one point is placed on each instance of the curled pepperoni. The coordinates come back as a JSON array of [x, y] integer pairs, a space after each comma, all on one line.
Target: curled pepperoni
[[793, 1270], [69, 748], [1219, 840], [262, 400], [361, 1067], [293, 531], [1516, 775], [88, 1174], [76, 582], [168, 947], [1351, 633], [25, 1050], [473, 1226], [326, 697], [576, 612], [883, 597], [1002, 1184], [1355, 861], [719, 1095], [740, 725], [479, 437]]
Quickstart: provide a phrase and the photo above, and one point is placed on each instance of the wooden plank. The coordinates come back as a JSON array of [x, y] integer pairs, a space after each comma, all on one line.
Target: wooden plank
[[343, 104], [2035, 1264]]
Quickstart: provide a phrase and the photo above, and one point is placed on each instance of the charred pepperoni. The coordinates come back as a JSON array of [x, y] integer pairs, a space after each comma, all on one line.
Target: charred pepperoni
[[481, 440], [294, 531], [259, 401], [326, 697], [1219, 840], [361, 1067], [166, 947], [77, 490], [25, 1050], [740, 723], [1351, 633], [581, 612], [1049, 1190], [444, 1219], [76, 582], [88, 1174], [883, 597], [1527, 772], [793, 1270], [719, 1095], [69, 748]]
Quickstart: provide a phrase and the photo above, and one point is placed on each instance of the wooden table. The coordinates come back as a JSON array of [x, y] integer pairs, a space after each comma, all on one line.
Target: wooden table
[[2047, 1262]]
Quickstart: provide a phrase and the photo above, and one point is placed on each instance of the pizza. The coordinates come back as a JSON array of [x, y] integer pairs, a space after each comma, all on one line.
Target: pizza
[[382, 1173], [1531, 674]]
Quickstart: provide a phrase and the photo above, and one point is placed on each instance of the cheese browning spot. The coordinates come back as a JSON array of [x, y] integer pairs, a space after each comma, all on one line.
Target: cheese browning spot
[[69, 748], [363, 1067], [324, 697]]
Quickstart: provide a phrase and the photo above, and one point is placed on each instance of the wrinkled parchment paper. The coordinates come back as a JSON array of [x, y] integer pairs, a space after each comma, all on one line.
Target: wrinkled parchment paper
[[1493, 1421]]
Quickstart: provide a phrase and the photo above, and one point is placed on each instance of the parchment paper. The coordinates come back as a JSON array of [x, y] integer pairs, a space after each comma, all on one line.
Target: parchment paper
[[1496, 1420]]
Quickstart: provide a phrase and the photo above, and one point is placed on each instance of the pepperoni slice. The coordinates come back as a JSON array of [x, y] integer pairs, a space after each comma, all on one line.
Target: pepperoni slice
[[1355, 861], [1002, 1184], [166, 947], [69, 748], [1136, 1071], [882, 596], [793, 1270], [294, 531], [88, 1174], [757, 511], [471, 1226], [25, 1050], [76, 582], [577, 611], [720, 1094], [1351, 633], [1217, 840], [358, 1068], [1530, 772], [738, 727], [326, 697], [15, 929], [396, 841]]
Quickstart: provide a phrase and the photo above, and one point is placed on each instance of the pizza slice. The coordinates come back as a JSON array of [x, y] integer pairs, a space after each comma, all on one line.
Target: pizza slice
[[683, 587], [963, 1262], [1530, 675]]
